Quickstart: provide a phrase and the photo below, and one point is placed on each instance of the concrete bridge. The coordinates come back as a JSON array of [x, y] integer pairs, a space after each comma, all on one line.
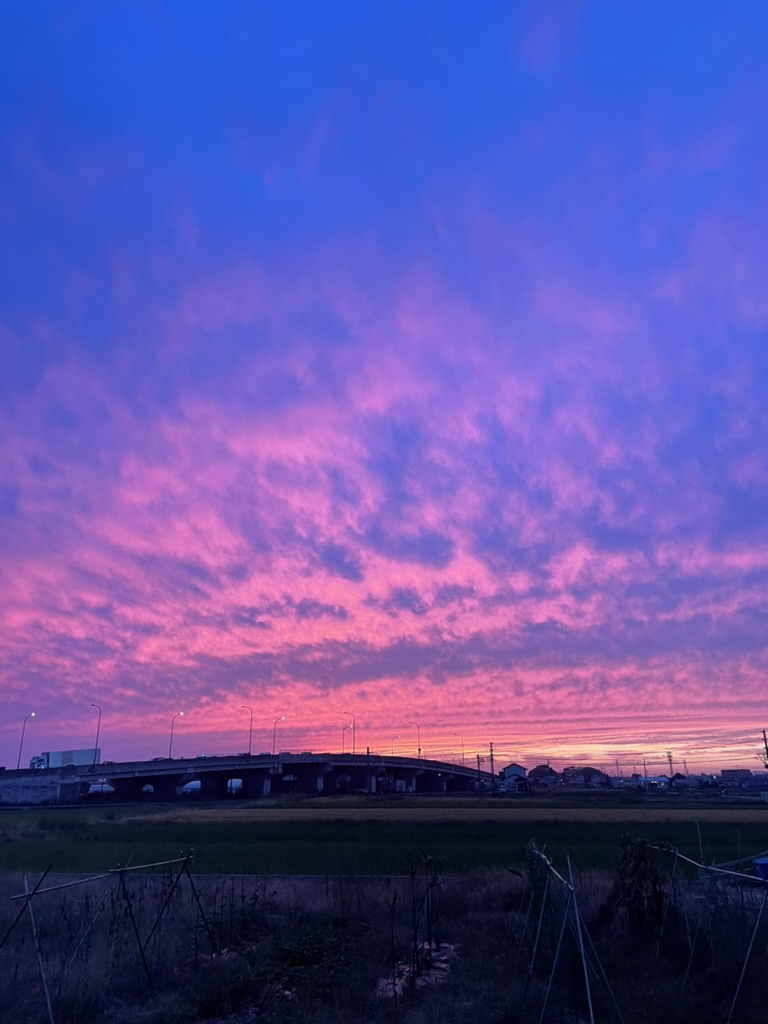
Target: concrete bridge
[[240, 775]]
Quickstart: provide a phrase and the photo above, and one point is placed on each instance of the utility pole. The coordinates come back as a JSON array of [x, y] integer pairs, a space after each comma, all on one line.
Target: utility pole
[[479, 777], [493, 773], [671, 767], [462, 747]]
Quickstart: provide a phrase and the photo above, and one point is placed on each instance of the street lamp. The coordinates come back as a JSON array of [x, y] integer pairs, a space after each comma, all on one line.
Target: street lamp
[[353, 730], [21, 742], [98, 730], [342, 736], [418, 737], [178, 714], [462, 747], [249, 709], [274, 732], [392, 752]]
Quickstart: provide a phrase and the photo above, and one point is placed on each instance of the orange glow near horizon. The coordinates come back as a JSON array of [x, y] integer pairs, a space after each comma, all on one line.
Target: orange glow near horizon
[[211, 729]]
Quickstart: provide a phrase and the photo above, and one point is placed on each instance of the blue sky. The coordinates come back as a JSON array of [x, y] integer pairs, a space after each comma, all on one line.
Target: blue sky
[[402, 359]]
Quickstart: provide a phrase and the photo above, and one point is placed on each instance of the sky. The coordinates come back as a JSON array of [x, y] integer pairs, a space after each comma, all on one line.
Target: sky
[[402, 364]]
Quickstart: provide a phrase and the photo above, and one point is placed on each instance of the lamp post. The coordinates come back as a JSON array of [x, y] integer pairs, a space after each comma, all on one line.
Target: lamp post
[[178, 714], [392, 752], [98, 730], [353, 731], [418, 737], [21, 741], [274, 732], [249, 709], [462, 747], [342, 736]]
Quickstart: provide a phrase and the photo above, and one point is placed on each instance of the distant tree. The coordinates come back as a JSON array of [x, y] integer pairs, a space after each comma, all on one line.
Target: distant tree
[[542, 774]]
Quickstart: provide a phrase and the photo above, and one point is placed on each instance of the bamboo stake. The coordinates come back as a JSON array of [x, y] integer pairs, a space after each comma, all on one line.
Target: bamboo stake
[[666, 911], [199, 904], [557, 957], [711, 868], [63, 885], [40, 964], [144, 867], [695, 936], [746, 958], [167, 900], [580, 940], [95, 878], [535, 946], [135, 927], [524, 929], [85, 934], [27, 896], [602, 972]]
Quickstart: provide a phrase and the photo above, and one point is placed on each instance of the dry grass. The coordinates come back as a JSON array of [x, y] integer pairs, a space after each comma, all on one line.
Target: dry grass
[[294, 951]]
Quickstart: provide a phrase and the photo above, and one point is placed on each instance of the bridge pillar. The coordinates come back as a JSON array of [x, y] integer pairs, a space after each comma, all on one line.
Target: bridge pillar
[[212, 786], [166, 787]]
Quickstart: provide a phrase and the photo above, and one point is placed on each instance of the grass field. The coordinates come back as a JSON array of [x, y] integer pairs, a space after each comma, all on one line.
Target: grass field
[[237, 943], [359, 837]]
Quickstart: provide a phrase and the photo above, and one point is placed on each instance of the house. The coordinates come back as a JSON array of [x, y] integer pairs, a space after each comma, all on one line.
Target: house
[[653, 783], [513, 779], [679, 781], [735, 778], [585, 776]]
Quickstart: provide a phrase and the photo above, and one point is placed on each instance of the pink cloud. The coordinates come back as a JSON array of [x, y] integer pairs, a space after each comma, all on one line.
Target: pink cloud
[[200, 543]]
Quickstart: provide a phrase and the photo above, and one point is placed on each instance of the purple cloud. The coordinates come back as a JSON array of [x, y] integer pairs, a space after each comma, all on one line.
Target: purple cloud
[[419, 372]]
